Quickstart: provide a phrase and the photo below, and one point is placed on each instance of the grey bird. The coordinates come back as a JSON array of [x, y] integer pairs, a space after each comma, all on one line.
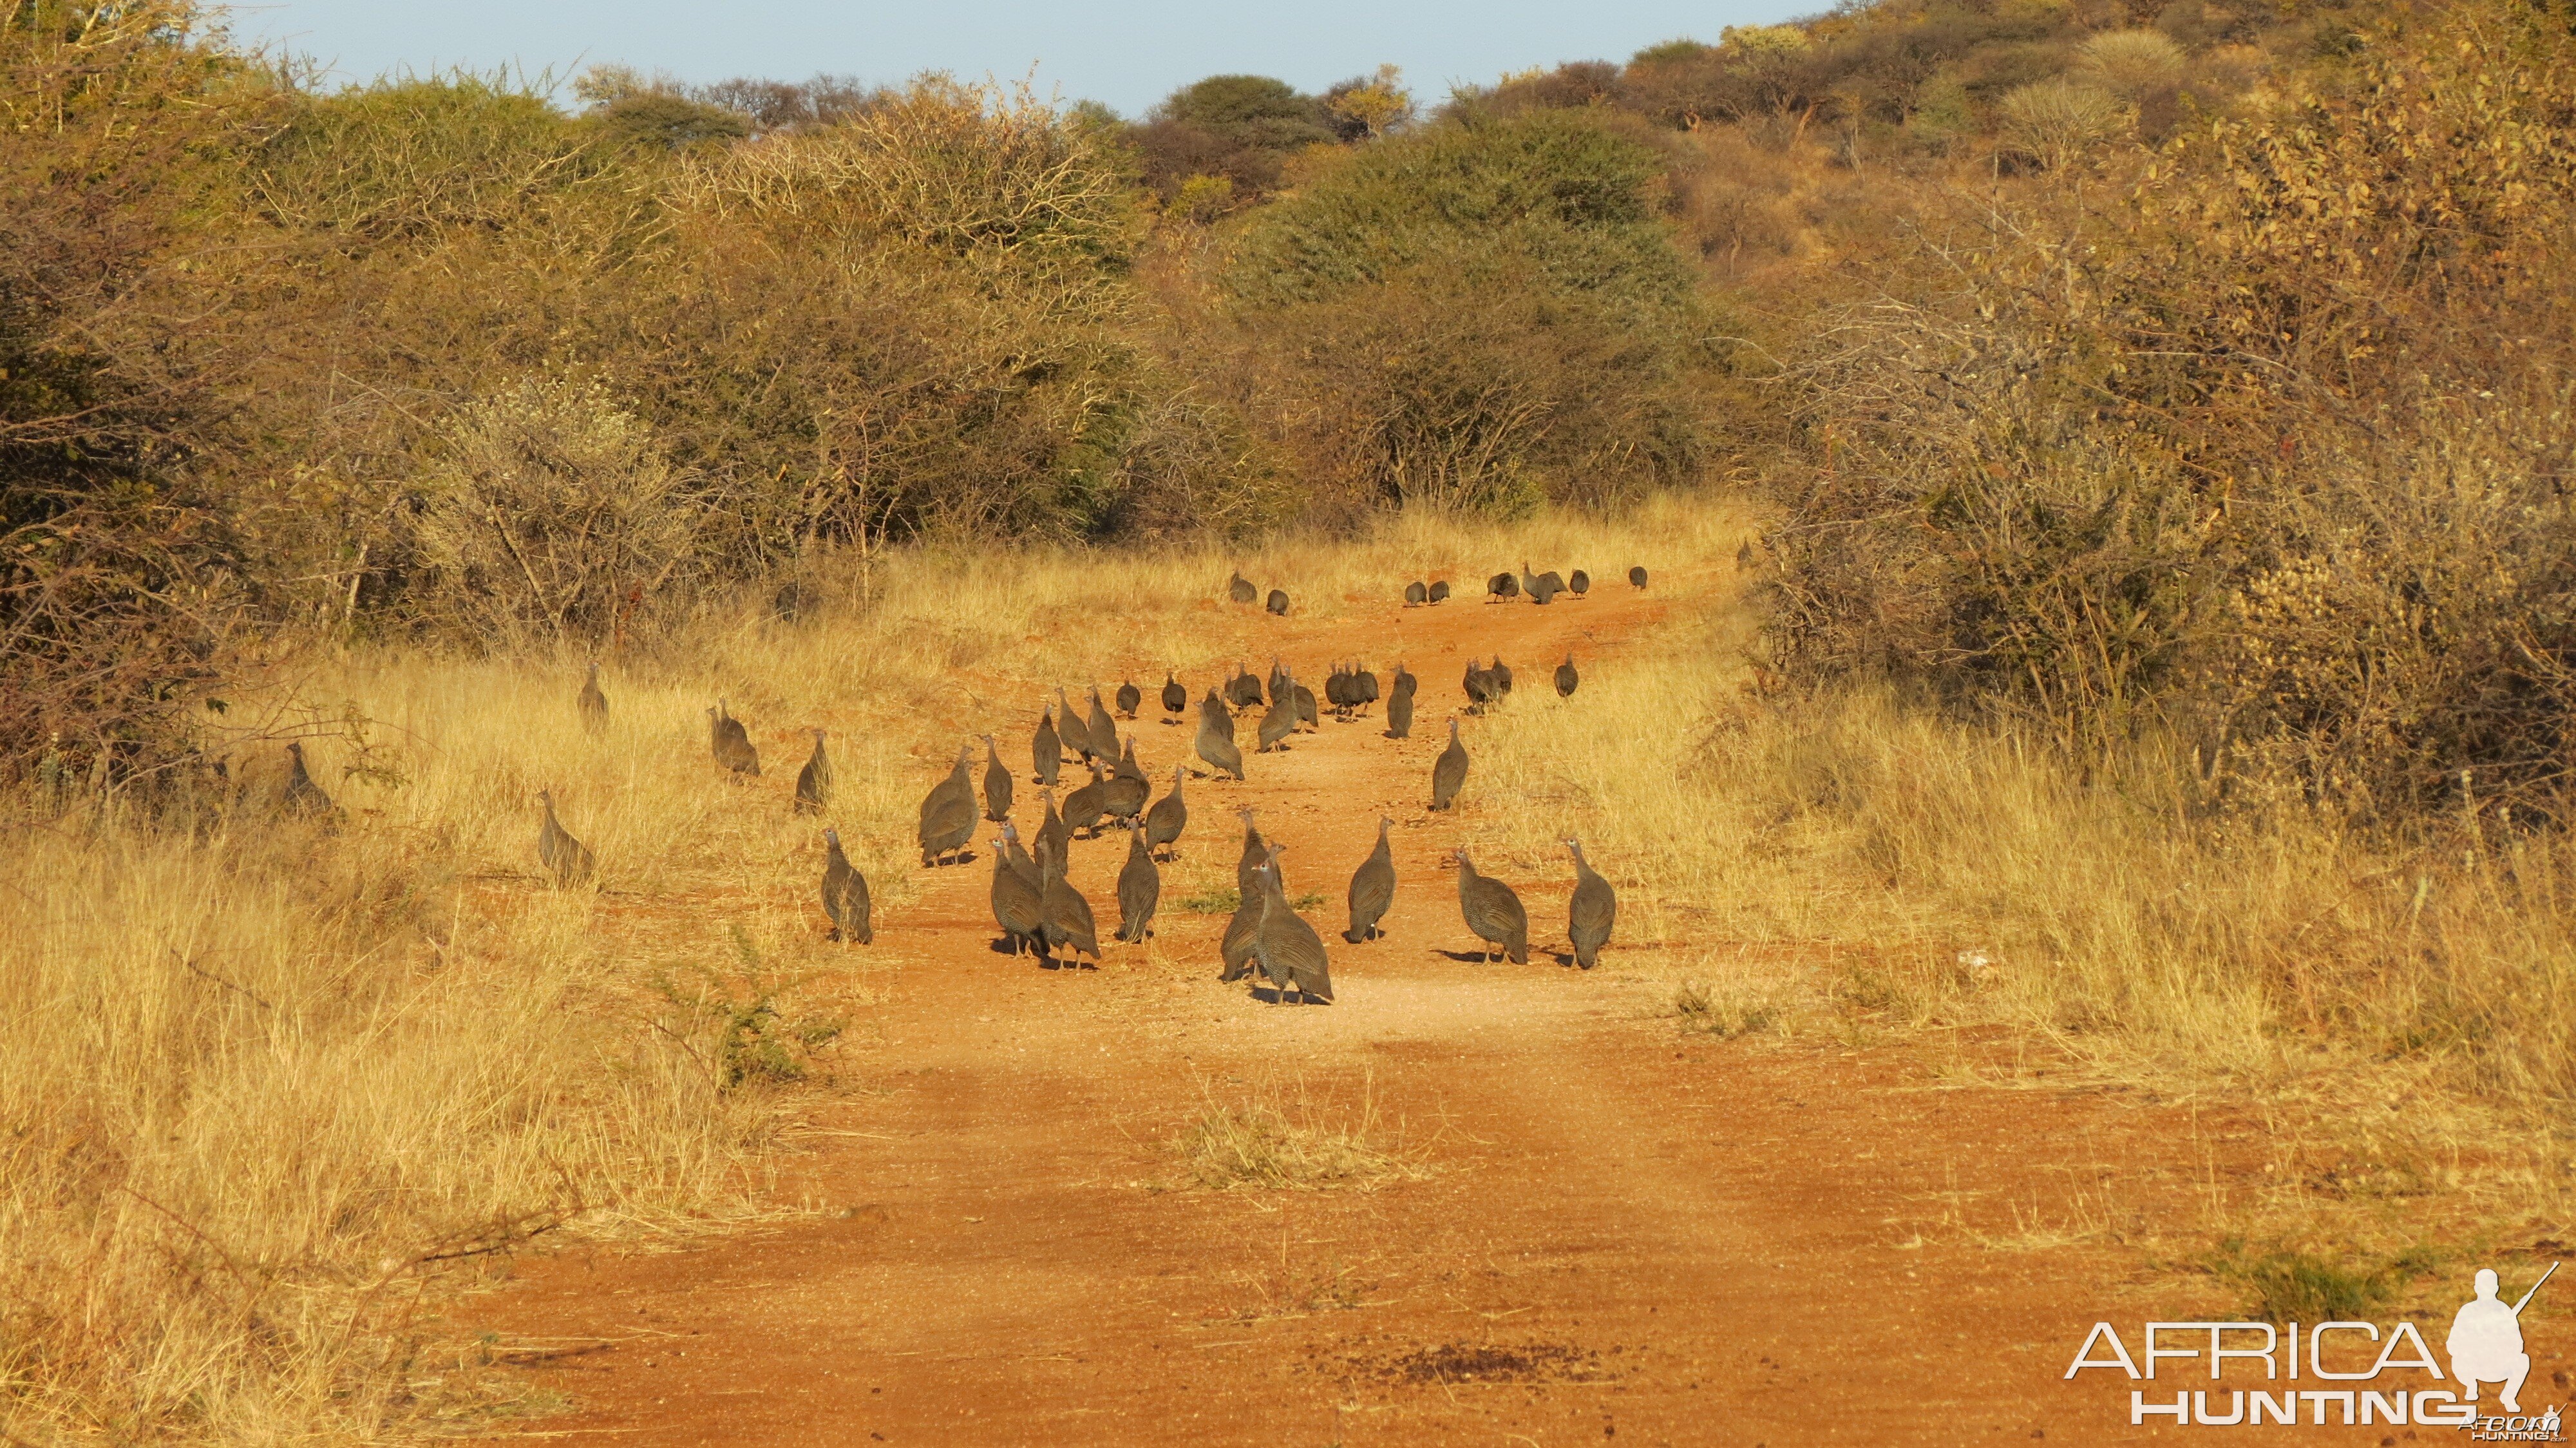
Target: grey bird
[[730, 742], [1046, 751], [1084, 807], [814, 781], [1363, 689], [1567, 678], [997, 783], [1140, 889], [1169, 816], [1440, 590], [594, 704], [1493, 912], [1372, 889], [1278, 603], [1399, 715], [1123, 797], [1103, 731], [1305, 698], [1243, 690], [1744, 556], [1415, 595], [1054, 842], [1215, 743], [1578, 583], [1502, 676], [1128, 768], [1071, 729], [1240, 589], [1065, 918], [1278, 721], [1637, 576], [1235, 948], [303, 796], [1287, 948], [1175, 698], [1594, 909], [1479, 684], [845, 894], [1129, 697], [1255, 850], [1548, 586], [1501, 586], [1021, 863], [1404, 683], [1448, 771], [1280, 684], [948, 813], [1015, 901], [565, 857]]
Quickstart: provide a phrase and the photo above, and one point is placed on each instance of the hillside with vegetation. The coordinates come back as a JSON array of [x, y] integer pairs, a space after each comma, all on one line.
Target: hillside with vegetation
[[2159, 632]]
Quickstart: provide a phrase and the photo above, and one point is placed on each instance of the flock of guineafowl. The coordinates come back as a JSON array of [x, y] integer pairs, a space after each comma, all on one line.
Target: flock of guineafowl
[[1039, 910]]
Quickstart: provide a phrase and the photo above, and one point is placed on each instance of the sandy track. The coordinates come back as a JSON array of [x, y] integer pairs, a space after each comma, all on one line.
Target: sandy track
[[1627, 1234]]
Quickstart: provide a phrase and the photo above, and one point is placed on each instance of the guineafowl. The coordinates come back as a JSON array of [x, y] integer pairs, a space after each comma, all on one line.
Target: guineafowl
[[1449, 771], [845, 894], [593, 704], [1015, 902], [563, 856], [1046, 750], [1288, 949], [1591, 913], [814, 781], [1493, 912], [1140, 889], [1372, 889], [997, 783], [1169, 816]]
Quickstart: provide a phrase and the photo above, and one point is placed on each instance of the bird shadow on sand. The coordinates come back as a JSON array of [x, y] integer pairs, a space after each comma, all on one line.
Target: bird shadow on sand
[[1049, 962], [1467, 957], [1273, 996], [966, 857]]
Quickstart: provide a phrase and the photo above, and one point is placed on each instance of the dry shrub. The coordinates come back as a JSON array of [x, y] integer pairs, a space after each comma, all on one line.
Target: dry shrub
[[2263, 454], [549, 513], [2059, 121]]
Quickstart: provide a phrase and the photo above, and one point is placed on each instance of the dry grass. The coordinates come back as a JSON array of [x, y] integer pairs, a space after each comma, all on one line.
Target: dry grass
[[1276, 1140]]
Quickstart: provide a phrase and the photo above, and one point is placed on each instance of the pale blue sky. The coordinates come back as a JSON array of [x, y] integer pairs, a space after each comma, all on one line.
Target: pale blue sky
[[1128, 53]]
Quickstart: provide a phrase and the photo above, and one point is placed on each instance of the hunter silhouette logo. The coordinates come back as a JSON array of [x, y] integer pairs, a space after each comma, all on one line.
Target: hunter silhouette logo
[[2258, 1372], [2486, 1341]]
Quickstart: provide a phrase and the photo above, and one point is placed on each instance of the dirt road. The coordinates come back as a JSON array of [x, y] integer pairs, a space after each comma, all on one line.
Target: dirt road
[[1627, 1232]]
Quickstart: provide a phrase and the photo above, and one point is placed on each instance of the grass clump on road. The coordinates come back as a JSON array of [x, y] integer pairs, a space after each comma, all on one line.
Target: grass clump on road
[[1267, 1144]]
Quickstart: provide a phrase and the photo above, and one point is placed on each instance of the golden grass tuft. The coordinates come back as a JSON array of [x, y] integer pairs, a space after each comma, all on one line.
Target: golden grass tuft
[[1267, 1141]]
